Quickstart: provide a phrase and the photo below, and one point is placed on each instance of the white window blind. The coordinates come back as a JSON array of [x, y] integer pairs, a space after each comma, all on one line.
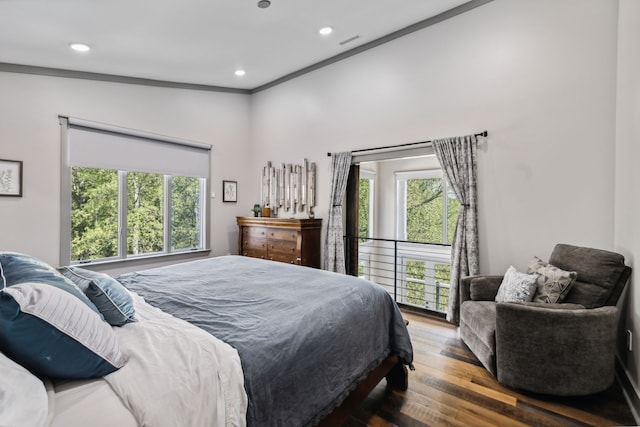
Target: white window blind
[[96, 145]]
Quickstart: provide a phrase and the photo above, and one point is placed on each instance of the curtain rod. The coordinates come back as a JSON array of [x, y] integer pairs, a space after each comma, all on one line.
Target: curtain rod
[[484, 133]]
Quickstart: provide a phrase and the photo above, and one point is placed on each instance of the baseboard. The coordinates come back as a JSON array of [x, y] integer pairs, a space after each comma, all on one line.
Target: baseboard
[[631, 393]]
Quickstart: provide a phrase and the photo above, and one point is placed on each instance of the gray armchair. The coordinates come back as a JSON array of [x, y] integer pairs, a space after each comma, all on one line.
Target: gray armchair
[[565, 349]]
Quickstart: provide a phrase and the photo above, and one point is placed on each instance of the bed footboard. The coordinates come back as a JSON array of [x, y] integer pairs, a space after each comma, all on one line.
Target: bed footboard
[[397, 377]]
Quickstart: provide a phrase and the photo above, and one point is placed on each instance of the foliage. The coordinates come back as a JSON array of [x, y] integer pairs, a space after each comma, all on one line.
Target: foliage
[[145, 229], [415, 284], [363, 209], [425, 204], [185, 213], [94, 213]]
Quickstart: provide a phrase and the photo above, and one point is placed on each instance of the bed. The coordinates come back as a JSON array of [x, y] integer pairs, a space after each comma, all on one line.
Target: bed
[[239, 341]]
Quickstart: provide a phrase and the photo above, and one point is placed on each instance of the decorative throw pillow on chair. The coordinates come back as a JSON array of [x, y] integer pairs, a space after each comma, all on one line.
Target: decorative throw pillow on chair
[[517, 286], [553, 283]]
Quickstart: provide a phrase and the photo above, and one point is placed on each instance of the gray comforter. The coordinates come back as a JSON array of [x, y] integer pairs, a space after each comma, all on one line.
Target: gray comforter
[[305, 337]]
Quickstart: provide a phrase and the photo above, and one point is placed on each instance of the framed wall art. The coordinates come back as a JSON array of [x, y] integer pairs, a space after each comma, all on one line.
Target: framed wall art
[[11, 178], [229, 191]]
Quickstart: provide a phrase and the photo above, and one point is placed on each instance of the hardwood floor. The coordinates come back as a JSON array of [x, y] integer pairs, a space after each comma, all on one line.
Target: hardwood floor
[[451, 388]]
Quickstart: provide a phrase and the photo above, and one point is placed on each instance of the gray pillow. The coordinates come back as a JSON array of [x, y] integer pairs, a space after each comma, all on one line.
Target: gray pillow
[[553, 283], [516, 286], [108, 295]]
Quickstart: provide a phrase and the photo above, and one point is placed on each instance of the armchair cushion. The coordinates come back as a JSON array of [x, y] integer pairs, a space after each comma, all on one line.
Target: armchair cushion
[[553, 283], [599, 272], [517, 286], [485, 288]]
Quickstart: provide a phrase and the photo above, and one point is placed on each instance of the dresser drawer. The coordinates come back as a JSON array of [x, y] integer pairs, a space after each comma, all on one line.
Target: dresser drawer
[[288, 258], [283, 234], [254, 253], [254, 232], [255, 243], [282, 247]]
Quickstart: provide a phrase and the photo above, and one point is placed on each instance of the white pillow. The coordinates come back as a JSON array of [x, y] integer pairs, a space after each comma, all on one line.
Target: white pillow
[[23, 397], [517, 287]]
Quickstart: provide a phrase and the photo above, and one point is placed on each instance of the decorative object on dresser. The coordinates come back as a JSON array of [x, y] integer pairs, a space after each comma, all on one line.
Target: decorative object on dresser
[[294, 241], [289, 187]]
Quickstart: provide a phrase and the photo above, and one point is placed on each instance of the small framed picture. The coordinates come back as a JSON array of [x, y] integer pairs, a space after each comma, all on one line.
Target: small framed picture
[[11, 178], [229, 191]]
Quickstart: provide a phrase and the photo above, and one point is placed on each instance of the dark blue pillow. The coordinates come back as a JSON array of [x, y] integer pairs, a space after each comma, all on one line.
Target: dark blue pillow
[[19, 268], [53, 334], [112, 299]]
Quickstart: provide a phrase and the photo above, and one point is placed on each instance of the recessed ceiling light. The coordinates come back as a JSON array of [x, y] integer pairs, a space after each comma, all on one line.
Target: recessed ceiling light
[[79, 47], [240, 73], [325, 31]]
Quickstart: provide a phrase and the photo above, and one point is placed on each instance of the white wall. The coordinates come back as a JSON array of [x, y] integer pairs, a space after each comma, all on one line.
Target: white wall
[[538, 75], [627, 178], [29, 131]]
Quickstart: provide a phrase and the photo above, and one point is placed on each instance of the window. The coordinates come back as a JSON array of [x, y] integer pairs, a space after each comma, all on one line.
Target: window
[[129, 195], [95, 196], [366, 209], [425, 281], [427, 209], [427, 212]]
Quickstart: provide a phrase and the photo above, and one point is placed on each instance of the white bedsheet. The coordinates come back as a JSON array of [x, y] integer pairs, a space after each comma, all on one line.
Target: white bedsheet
[[177, 374], [83, 403]]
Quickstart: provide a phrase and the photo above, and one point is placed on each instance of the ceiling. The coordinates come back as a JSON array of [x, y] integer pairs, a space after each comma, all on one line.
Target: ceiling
[[197, 41]]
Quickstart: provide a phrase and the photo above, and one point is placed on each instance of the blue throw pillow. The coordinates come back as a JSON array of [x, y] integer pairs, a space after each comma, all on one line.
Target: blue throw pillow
[[54, 335], [19, 268], [111, 298]]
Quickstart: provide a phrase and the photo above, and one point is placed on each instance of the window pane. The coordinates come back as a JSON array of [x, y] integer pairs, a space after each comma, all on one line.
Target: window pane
[[443, 278], [415, 270], [424, 210], [453, 205], [363, 209], [94, 213], [186, 222], [144, 219], [415, 274]]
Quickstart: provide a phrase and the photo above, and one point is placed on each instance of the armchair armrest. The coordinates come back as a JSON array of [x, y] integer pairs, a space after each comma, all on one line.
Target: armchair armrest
[[479, 288], [554, 350]]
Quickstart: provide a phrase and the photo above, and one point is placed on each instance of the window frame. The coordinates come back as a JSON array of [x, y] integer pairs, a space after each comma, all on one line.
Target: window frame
[[122, 256]]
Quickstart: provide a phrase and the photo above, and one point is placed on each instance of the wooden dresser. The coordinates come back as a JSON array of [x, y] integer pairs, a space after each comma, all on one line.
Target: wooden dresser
[[294, 241]]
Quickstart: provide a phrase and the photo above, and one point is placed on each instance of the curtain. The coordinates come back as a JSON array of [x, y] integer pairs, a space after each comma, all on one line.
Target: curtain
[[334, 243], [458, 159]]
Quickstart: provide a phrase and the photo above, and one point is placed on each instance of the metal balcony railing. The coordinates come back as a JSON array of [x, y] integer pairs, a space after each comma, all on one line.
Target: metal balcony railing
[[415, 274]]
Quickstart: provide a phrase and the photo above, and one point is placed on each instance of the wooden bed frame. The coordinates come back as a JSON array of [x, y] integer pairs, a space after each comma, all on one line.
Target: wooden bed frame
[[397, 377]]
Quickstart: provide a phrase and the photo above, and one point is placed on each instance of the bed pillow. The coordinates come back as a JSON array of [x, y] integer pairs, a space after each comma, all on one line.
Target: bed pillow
[[53, 334], [23, 397], [19, 268], [553, 283], [111, 298], [516, 286]]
